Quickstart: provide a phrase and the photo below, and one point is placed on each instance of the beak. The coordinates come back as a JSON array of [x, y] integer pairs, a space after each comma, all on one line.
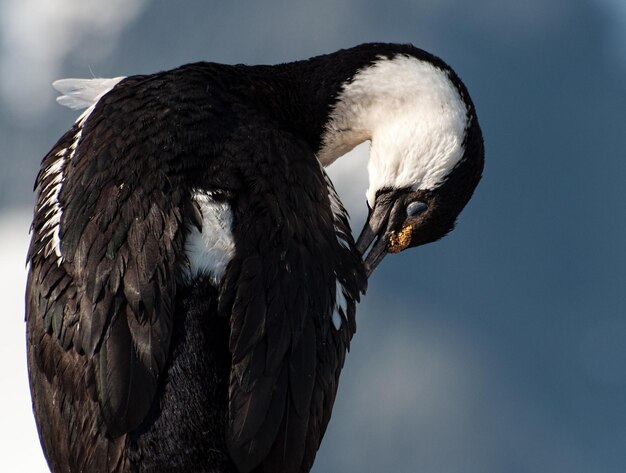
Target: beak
[[377, 232]]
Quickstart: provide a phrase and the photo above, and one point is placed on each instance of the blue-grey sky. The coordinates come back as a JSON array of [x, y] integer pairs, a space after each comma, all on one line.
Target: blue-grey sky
[[500, 348]]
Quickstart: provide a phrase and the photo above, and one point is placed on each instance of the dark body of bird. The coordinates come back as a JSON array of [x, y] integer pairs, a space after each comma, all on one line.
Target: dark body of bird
[[147, 353]]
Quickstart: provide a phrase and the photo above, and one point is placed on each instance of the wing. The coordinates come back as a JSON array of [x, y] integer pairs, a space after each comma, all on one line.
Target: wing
[[105, 254], [295, 259]]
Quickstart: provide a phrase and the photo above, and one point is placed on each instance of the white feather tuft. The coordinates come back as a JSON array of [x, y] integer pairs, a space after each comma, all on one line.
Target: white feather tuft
[[210, 250], [83, 93]]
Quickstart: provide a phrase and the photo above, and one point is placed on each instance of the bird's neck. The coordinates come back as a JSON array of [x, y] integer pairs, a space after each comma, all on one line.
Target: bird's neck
[[408, 103], [412, 112], [302, 95]]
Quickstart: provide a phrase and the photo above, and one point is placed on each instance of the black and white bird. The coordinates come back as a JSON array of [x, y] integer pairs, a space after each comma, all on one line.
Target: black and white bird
[[192, 273]]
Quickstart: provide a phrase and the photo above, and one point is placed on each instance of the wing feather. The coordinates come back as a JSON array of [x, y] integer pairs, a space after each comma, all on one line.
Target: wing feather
[[106, 253], [279, 293]]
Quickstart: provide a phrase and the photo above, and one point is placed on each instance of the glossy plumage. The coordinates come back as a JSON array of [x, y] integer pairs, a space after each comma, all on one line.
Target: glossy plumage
[[137, 363]]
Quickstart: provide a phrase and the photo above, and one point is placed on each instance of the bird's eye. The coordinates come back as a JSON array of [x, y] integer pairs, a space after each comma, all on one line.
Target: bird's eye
[[415, 208]]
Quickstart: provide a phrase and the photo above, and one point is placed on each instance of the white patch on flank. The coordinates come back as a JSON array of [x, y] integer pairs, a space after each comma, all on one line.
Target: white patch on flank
[[209, 251], [413, 115], [49, 198], [83, 93]]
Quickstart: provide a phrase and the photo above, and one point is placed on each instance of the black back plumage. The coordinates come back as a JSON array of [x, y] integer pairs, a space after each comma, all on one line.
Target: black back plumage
[[139, 365], [126, 370]]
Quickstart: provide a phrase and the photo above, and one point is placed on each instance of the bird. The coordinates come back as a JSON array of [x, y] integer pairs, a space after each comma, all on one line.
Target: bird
[[192, 274]]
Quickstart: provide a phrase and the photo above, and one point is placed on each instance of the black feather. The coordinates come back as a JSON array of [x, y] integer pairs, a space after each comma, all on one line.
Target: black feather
[[135, 364]]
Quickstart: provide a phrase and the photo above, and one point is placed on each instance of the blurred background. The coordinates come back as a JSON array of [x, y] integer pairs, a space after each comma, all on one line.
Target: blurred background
[[501, 348]]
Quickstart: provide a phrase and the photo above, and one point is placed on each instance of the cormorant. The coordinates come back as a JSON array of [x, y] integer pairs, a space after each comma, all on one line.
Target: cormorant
[[192, 273]]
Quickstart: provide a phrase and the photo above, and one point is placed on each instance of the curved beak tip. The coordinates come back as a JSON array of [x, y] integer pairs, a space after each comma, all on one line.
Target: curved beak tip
[[377, 237]]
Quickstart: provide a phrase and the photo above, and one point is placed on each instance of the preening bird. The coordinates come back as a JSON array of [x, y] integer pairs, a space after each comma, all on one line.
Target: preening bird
[[192, 273]]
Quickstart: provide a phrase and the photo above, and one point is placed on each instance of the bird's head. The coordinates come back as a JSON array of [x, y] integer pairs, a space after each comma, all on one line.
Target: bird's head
[[406, 217], [426, 154]]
